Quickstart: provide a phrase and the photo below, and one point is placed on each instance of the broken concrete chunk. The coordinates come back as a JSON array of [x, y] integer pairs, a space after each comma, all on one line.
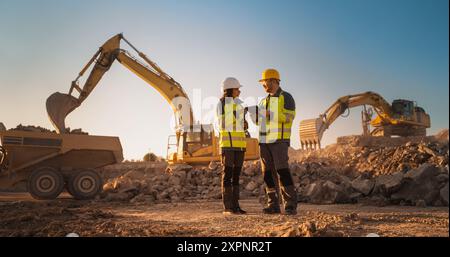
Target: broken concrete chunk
[[388, 184], [424, 172], [363, 186], [251, 186]]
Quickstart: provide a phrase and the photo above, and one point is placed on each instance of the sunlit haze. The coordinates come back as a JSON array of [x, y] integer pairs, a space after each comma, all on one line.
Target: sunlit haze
[[322, 49]]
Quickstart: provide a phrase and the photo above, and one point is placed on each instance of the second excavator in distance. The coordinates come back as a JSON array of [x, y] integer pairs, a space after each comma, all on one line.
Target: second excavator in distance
[[403, 118], [195, 143]]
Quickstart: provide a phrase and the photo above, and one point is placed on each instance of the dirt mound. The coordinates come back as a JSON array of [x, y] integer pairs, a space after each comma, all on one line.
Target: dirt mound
[[378, 156], [377, 171], [442, 135], [32, 128], [316, 182], [380, 171]]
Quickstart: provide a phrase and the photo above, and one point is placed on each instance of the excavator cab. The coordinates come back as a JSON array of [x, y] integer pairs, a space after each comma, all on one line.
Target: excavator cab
[[195, 144], [197, 139], [403, 109], [199, 145]]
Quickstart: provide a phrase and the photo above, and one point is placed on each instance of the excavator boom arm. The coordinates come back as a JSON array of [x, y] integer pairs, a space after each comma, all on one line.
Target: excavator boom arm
[[170, 90], [350, 101], [311, 131], [59, 105]]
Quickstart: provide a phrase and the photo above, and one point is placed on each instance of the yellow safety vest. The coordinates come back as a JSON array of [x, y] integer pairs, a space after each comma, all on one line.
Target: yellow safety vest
[[230, 117], [277, 126]]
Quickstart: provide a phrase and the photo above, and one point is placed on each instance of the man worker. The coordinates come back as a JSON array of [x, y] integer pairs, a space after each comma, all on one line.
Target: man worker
[[274, 117]]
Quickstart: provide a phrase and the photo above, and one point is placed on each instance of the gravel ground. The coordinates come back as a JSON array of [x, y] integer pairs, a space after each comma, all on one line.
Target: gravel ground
[[22, 216]]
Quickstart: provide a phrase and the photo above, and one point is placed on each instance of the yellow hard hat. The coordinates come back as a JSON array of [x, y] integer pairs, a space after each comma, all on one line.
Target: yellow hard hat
[[270, 74]]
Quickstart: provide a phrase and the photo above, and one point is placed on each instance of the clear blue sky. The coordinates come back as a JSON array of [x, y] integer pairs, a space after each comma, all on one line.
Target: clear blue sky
[[323, 50]]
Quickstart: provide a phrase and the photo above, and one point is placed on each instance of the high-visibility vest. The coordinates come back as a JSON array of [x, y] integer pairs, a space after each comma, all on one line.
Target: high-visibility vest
[[230, 115], [276, 127]]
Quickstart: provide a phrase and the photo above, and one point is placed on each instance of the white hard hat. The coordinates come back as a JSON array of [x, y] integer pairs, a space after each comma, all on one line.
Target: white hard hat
[[230, 82]]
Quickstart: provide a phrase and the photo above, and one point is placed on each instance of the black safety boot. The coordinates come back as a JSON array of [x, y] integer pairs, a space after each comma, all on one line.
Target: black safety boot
[[227, 198], [272, 202], [290, 210], [236, 208], [290, 199], [272, 210]]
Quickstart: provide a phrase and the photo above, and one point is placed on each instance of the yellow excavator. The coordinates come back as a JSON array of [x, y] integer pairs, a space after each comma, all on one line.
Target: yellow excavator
[[402, 118], [194, 143]]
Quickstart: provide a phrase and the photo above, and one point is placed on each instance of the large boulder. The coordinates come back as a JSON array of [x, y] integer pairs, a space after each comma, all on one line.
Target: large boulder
[[444, 194], [363, 185], [388, 184], [326, 193], [423, 173], [419, 184], [442, 178]]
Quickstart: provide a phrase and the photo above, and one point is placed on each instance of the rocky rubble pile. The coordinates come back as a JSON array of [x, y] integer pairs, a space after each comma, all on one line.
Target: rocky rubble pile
[[413, 173], [32, 128], [424, 186], [380, 156], [159, 183]]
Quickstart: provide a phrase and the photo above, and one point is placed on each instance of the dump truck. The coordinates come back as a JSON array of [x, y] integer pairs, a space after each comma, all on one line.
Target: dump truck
[[401, 118], [50, 162], [192, 143]]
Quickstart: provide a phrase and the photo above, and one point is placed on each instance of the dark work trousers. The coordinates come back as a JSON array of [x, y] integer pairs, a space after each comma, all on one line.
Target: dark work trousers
[[274, 158], [232, 162]]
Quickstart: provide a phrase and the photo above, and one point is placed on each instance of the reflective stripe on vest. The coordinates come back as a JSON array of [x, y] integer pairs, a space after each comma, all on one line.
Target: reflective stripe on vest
[[278, 124], [231, 126]]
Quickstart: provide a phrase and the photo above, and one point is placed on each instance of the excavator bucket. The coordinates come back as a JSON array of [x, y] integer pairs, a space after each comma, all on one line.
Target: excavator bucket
[[59, 105], [310, 134]]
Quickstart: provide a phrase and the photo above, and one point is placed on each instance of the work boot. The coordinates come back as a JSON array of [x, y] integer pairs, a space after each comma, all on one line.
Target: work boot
[[237, 209], [227, 198], [273, 206], [272, 210], [290, 199], [290, 210]]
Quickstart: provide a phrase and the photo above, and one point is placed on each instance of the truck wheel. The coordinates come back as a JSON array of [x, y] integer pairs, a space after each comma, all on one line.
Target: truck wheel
[[85, 184], [45, 183]]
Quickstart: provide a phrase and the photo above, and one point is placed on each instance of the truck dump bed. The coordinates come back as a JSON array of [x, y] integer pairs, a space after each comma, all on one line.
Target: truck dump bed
[[27, 151]]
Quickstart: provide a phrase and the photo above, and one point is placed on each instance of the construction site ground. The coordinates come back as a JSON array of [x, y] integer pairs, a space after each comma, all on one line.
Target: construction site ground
[[20, 215]]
